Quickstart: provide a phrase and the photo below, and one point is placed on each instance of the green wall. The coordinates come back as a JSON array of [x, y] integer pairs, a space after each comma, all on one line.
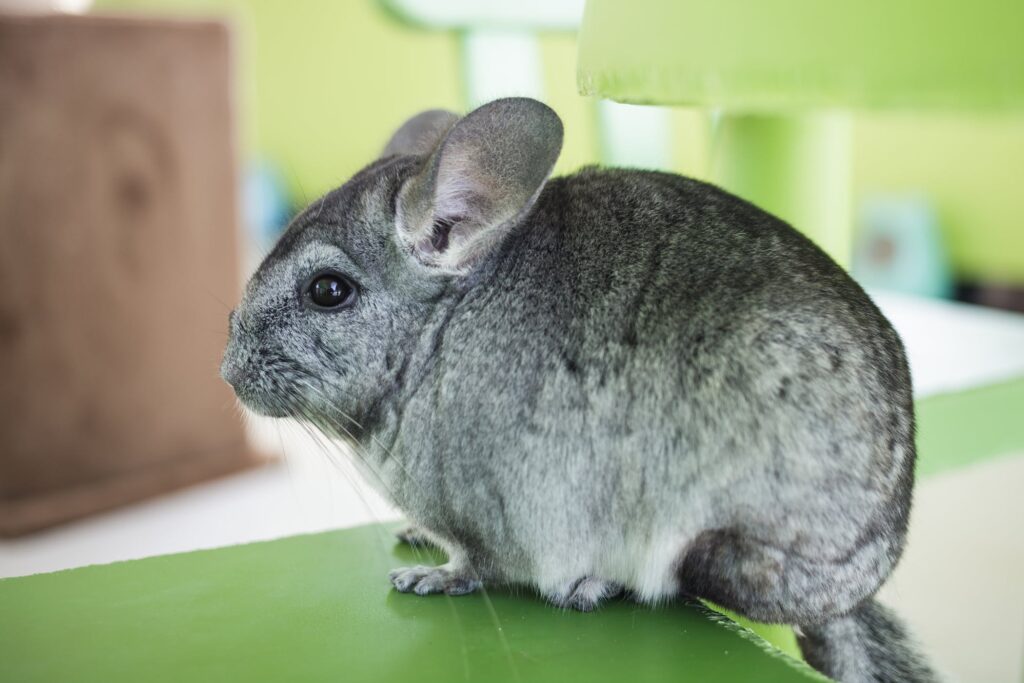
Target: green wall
[[322, 84], [972, 167]]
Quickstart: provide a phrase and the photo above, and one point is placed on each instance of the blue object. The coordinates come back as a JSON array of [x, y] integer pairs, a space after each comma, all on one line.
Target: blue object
[[898, 247], [266, 203]]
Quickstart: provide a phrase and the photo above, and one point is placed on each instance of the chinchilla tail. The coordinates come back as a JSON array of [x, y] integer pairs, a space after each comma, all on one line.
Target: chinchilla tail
[[868, 645]]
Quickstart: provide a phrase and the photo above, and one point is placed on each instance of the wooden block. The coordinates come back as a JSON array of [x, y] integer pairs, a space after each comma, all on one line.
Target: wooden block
[[118, 257]]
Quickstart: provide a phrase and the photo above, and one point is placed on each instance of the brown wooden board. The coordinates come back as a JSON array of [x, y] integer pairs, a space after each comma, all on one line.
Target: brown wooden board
[[118, 259]]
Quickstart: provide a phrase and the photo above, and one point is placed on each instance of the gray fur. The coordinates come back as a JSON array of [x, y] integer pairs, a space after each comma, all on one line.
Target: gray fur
[[485, 175], [421, 134], [869, 644], [619, 378]]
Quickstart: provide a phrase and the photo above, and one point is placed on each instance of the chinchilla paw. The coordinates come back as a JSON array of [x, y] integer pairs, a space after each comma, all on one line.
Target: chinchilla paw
[[583, 594], [426, 580]]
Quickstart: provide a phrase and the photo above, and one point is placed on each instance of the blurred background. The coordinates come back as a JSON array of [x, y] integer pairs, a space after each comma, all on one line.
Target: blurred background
[[152, 150]]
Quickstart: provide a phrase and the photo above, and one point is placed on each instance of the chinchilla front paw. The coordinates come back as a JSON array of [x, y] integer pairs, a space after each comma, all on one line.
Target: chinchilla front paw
[[583, 594], [426, 580]]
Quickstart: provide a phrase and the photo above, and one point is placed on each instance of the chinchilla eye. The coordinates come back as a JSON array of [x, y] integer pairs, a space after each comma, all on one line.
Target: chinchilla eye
[[330, 290]]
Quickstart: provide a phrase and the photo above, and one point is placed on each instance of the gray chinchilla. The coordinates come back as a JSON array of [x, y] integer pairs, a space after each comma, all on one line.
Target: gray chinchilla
[[614, 380]]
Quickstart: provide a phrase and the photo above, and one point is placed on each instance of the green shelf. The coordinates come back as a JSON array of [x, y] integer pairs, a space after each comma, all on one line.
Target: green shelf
[[786, 55]]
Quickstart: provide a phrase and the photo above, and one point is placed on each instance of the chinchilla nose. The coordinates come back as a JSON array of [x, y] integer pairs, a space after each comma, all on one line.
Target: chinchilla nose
[[230, 368]]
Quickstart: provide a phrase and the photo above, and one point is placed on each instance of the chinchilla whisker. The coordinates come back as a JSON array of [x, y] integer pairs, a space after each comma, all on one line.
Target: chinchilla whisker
[[353, 484], [499, 630], [492, 612], [357, 448], [292, 474], [284, 452], [216, 298], [320, 394], [298, 181], [391, 455], [332, 449], [308, 419], [417, 552], [229, 404]]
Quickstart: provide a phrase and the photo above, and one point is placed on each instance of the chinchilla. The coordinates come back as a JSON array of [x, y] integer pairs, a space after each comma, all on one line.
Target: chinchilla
[[614, 380]]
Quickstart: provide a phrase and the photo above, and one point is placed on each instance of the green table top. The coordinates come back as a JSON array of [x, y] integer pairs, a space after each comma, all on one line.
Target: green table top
[[320, 608], [957, 429], [781, 54]]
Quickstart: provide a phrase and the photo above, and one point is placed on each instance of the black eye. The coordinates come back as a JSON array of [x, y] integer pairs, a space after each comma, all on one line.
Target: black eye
[[331, 291]]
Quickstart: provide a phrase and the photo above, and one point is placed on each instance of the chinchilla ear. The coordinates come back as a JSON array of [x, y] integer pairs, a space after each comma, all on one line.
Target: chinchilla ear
[[486, 173], [421, 133]]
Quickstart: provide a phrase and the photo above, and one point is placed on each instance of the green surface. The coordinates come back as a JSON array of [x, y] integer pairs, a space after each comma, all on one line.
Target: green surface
[[785, 54], [319, 608], [958, 429]]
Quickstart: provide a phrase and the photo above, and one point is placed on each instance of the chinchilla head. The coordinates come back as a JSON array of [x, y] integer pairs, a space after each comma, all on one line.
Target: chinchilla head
[[330, 316]]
